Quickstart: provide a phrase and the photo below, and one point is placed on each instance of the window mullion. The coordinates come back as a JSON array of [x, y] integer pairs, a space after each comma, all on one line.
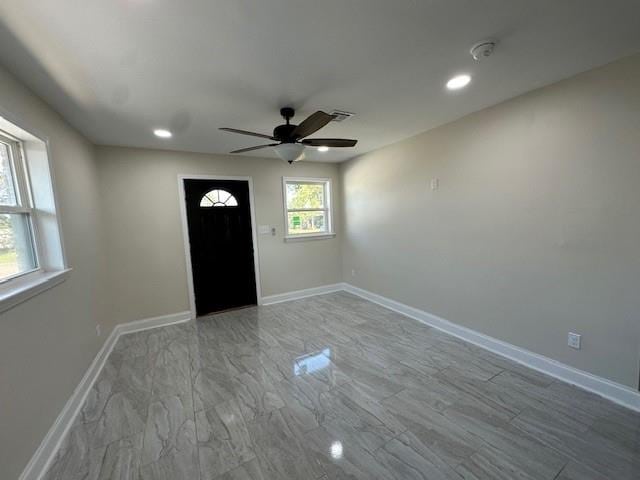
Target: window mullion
[[12, 209], [307, 209]]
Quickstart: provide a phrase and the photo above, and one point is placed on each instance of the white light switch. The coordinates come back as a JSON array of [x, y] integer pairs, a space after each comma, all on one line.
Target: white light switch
[[435, 184], [264, 229]]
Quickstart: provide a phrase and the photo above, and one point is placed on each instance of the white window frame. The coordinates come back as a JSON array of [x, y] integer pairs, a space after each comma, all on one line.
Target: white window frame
[[24, 200], [35, 189], [328, 209]]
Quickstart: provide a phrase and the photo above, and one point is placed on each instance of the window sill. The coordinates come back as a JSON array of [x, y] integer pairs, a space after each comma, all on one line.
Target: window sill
[[19, 290], [312, 236]]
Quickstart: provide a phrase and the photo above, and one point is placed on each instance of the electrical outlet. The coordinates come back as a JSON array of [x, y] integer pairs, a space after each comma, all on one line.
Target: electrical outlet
[[98, 330], [574, 340]]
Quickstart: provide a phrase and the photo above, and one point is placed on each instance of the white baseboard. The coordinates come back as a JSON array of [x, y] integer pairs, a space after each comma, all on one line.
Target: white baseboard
[[154, 322], [297, 294], [45, 453], [613, 391]]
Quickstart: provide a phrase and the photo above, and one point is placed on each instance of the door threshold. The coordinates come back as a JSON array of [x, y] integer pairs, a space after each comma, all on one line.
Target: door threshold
[[243, 307]]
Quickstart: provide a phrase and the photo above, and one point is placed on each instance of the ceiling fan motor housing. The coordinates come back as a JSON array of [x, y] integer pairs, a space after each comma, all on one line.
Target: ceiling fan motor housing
[[283, 132]]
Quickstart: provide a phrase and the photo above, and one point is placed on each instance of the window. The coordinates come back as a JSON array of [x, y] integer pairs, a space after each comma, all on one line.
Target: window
[[307, 207], [218, 198], [31, 253], [17, 242]]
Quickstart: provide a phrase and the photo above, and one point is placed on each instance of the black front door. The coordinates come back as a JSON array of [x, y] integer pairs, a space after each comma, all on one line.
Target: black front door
[[220, 237]]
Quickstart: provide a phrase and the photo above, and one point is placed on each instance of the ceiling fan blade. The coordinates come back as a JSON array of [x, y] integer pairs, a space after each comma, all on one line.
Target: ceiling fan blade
[[245, 132], [242, 150], [312, 124], [329, 142]]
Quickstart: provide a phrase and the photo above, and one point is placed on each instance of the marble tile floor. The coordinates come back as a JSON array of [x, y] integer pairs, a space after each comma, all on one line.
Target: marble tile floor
[[335, 387]]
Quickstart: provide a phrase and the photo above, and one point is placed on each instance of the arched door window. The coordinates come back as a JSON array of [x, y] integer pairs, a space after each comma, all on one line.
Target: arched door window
[[218, 198]]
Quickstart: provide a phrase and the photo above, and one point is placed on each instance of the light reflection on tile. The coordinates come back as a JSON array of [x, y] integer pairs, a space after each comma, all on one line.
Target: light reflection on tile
[[336, 450], [312, 362]]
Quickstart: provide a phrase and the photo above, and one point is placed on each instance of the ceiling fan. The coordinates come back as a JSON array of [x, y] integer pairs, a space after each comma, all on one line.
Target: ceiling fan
[[291, 138]]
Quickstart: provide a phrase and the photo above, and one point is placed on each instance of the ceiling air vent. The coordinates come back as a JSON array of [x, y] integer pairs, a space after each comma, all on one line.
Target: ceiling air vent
[[340, 116]]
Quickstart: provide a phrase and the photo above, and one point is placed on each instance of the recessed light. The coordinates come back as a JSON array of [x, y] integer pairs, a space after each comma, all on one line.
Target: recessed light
[[162, 133], [324, 148], [458, 82]]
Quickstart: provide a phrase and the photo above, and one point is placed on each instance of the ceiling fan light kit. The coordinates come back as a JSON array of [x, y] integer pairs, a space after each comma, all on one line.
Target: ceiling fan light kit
[[292, 138], [290, 152]]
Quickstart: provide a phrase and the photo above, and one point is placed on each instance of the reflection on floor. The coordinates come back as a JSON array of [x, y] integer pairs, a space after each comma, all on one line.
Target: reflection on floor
[[335, 387]]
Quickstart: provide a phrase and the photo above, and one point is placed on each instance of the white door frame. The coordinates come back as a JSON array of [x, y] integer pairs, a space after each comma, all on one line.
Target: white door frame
[[185, 232]]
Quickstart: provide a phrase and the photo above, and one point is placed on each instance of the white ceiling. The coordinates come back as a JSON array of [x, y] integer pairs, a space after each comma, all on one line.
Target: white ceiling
[[116, 69]]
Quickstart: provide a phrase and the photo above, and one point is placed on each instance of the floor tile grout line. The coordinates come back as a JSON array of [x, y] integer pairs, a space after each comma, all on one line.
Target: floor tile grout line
[[500, 372], [547, 404], [195, 344], [561, 470], [550, 446]]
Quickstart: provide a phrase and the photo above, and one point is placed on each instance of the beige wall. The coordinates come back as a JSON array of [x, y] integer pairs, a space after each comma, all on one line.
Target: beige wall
[[48, 342], [534, 231], [143, 230]]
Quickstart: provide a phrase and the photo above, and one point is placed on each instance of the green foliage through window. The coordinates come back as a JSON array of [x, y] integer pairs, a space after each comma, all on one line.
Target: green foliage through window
[[305, 195], [307, 207]]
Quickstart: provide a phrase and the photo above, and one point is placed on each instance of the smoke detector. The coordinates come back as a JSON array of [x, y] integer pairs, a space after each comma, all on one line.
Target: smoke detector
[[482, 50], [340, 115]]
